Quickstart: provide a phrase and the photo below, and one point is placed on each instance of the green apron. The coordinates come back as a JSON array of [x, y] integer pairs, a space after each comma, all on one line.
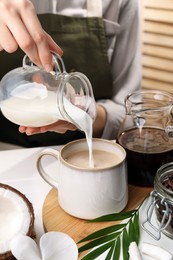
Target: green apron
[[84, 44]]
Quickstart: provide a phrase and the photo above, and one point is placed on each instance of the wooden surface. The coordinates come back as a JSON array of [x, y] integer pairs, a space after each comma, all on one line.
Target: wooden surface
[[55, 219]]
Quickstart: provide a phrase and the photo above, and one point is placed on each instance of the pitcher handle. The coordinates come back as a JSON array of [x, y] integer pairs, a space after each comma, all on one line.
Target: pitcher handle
[[57, 62], [44, 174]]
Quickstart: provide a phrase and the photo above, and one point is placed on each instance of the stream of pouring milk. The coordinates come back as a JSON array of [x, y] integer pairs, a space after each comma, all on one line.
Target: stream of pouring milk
[[33, 105]]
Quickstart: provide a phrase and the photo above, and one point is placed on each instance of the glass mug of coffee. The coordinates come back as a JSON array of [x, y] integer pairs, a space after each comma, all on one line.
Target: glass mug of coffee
[[146, 133], [83, 191]]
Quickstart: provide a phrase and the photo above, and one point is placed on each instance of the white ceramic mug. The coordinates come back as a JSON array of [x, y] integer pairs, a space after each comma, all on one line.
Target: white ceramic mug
[[86, 192]]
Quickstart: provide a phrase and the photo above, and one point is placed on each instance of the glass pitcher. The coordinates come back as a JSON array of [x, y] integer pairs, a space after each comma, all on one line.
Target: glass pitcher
[[30, 96], [146, 133]]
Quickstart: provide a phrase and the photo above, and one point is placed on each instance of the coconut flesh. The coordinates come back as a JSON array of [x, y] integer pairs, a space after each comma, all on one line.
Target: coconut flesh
[[16, 217]]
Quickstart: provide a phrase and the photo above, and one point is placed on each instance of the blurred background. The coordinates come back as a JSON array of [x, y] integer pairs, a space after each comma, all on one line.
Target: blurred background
[[157, 44]]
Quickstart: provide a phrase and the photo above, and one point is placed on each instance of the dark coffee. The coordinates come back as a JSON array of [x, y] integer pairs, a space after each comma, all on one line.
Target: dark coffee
[[147, 149]]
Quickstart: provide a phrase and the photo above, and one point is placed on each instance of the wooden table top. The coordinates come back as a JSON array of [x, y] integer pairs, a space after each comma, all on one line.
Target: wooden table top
[[56, 219]]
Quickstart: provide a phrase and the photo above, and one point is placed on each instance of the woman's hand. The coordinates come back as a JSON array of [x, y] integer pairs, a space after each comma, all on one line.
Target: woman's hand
[[20, 27], [62, 126], [58, 127]]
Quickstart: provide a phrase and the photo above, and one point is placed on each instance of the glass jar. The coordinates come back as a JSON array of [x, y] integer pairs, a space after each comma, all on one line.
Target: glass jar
[[161, 203], [31, 96]]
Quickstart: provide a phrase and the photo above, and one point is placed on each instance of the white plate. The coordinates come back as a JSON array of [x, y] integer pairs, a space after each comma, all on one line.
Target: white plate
[[165, 242]]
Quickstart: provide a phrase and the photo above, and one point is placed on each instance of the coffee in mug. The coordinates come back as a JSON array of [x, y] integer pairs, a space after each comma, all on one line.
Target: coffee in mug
[[101, 159], [83, 191]]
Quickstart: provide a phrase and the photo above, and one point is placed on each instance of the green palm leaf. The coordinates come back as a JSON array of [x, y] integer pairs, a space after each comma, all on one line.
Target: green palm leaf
[[99, 241], [116, 254], [109, 255], [103, 232], [115, 216], [136, 227], [114, 239], [131, 231], [125, 245], [98, 251]]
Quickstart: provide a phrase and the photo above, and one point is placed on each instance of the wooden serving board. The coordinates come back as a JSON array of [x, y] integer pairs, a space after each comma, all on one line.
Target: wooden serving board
[[56, 219]]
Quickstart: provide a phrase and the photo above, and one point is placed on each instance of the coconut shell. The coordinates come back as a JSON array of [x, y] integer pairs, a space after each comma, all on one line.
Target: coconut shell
[[31, 233]]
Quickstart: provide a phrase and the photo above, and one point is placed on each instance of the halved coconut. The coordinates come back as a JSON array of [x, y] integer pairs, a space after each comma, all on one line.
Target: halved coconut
[[16, 217]]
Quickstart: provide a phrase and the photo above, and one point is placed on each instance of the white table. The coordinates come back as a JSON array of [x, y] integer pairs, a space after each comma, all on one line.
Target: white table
[[18, 169]]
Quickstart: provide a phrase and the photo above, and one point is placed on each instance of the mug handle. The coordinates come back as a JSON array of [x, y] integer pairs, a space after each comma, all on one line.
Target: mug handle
[[42, 172]]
